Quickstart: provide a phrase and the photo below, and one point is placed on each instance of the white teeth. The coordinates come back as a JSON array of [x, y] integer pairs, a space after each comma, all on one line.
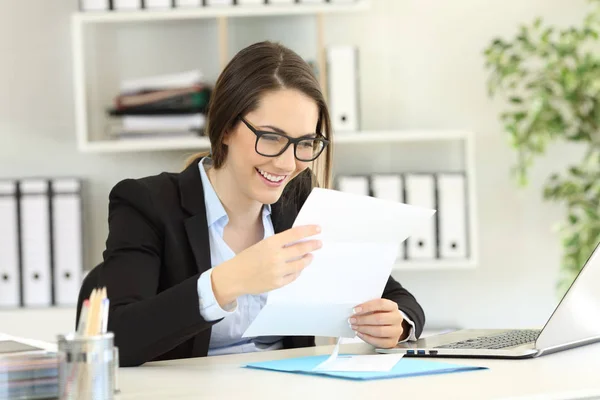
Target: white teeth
[[270, 177]]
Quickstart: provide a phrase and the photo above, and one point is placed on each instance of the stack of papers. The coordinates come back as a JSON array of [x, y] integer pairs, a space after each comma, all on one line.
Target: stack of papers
[[167, 105], [28, 369], [360, 363], [29, 377], [361, 237], [32, 376]]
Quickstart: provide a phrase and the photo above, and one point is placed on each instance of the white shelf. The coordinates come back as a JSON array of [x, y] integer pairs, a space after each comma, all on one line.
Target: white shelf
[[82, 25], [202, 143], [435, 265], [89, 74], [135, 145], [217, 12], [392, 136]]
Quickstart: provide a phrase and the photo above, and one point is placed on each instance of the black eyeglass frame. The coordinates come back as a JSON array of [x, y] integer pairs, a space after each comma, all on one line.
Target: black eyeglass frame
[[290, 140]]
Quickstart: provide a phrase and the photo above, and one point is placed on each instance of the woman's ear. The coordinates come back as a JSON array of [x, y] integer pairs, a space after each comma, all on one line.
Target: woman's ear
[[229, 134], [226, 138]]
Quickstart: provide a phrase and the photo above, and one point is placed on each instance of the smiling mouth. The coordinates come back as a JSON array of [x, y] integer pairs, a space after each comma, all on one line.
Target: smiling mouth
[[271, 177]]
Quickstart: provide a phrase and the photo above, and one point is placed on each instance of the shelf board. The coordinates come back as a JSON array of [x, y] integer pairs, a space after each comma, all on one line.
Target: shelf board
[[399, 136], [218, 11], [202, 143], [434, 265], [133, 145]]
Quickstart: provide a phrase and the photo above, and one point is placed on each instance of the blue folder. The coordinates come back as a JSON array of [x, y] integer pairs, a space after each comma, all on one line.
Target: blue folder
[[406, 367]]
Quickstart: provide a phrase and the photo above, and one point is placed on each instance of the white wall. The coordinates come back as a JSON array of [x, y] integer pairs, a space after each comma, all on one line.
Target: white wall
[[422, 67]]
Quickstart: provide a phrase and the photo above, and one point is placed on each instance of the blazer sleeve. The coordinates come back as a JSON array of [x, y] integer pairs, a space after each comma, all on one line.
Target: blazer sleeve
[[406, 302], [145, 323]]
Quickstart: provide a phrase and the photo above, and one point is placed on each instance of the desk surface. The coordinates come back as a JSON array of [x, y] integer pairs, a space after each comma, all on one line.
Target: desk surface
[[566, 375]]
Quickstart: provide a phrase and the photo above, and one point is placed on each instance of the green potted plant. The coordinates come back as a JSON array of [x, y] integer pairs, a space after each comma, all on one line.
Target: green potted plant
[[550, 81]]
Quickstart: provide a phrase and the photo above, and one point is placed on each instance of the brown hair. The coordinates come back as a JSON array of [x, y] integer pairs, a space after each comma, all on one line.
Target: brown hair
[[256, 69]]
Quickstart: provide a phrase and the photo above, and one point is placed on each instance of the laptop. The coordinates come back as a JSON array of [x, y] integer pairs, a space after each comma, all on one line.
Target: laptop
[[575, 322]]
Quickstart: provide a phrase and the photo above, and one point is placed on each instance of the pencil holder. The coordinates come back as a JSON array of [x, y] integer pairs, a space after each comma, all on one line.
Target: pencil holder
[[87, 367]]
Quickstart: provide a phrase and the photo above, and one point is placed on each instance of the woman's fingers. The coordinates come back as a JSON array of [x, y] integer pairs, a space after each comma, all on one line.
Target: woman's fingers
[[377, 318], [296, 266], [380, 331], [376, 305], [300, 249]]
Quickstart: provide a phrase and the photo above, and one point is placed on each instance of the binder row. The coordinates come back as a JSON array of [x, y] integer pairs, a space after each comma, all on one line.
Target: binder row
[[446, 237], [41, 258], [126, 5]]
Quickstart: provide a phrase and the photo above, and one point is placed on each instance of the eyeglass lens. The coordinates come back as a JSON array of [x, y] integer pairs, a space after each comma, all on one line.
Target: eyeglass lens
[[273, 144]]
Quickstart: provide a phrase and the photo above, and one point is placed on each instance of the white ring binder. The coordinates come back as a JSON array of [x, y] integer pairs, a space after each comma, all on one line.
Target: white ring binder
[[10, 276], [67, 241], [35, 242]]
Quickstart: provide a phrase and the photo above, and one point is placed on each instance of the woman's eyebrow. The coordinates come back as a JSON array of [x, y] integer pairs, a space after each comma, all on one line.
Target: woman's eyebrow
[[279, 130], [276, 129]]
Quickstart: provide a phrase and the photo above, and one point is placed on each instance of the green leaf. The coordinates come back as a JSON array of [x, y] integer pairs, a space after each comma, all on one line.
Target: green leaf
[[516, 100], [592, 214], [546, 35], [519, 116], [573, 219], [515, 58], [591, 33], [572, 241]]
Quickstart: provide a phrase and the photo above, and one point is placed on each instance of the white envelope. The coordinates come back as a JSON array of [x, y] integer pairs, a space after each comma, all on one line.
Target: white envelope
[[360, 236]]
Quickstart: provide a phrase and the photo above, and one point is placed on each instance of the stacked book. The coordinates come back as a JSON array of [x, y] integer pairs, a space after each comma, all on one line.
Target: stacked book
[[29, 376], [160, 106]]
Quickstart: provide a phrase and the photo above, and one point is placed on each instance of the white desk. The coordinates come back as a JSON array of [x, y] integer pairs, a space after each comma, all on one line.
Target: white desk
[[37, 323], [565, 375]]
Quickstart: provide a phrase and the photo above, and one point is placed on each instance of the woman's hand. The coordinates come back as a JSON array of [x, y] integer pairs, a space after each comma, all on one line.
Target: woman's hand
[[270, 264], [379, 323]]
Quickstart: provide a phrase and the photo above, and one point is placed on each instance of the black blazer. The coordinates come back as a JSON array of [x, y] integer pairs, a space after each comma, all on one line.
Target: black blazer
[[156, 249]]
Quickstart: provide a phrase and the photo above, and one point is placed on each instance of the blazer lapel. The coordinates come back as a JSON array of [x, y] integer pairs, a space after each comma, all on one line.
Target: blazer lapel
[[197, 232], [196, 226]]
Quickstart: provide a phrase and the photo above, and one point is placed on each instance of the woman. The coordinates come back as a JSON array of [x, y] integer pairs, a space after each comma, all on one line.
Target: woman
[[190, 256]]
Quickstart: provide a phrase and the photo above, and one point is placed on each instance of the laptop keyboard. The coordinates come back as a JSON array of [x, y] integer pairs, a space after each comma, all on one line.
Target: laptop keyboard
[[499, 341]]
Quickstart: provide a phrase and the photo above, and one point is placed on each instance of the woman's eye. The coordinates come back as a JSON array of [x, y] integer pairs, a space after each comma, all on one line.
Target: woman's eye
[[274, 138]]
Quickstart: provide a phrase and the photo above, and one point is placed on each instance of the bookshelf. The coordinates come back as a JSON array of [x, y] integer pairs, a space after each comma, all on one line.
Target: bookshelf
[[96, 75], [405, 151], [88, 29]]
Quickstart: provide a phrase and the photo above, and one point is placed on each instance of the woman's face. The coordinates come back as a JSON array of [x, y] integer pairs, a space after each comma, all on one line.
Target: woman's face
[[263, 178]]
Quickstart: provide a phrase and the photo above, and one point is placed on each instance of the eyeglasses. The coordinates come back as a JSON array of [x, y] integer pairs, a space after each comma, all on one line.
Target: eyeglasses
[[273, 144]]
